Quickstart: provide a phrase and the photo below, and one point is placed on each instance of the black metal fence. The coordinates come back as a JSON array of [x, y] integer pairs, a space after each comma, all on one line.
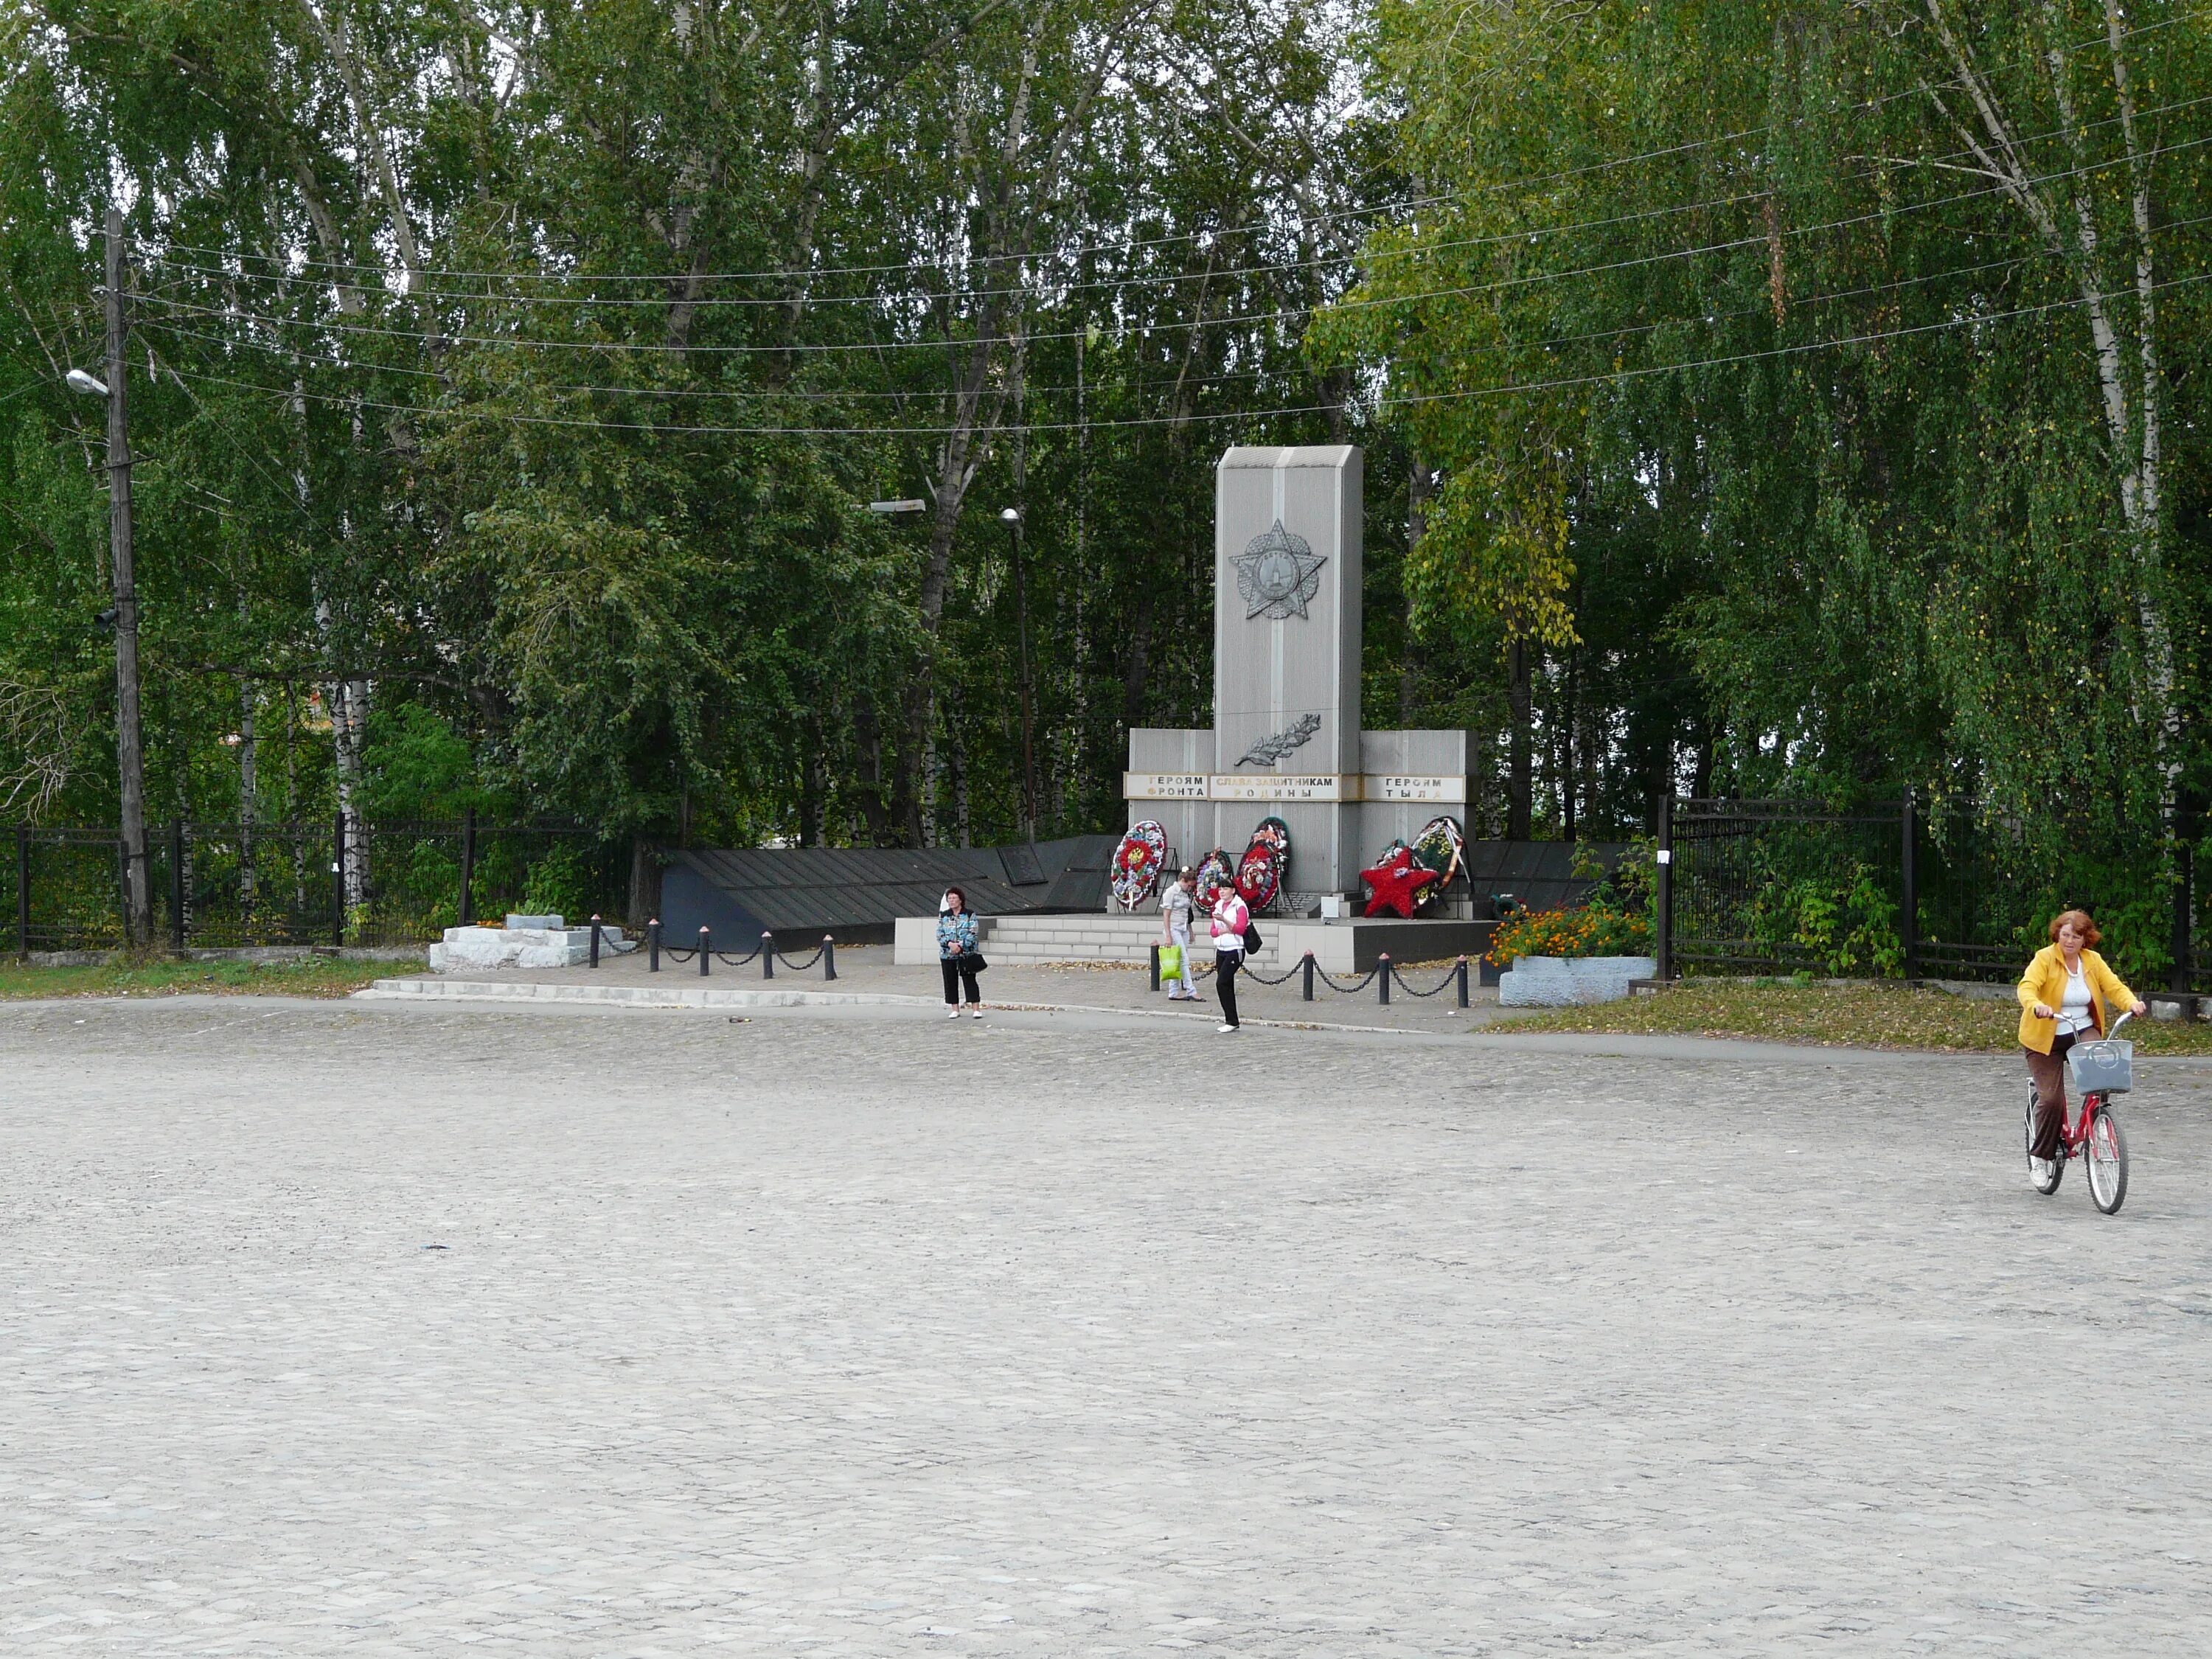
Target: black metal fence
[[228, 885], [1910, 889]]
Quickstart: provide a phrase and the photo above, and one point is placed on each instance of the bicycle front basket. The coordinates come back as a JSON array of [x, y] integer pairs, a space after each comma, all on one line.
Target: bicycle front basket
[[2103, 1066]]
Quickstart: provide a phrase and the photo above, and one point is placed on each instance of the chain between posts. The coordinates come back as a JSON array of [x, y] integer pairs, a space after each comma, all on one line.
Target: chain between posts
[[1329, 980], [1451, 978], [704, 953]]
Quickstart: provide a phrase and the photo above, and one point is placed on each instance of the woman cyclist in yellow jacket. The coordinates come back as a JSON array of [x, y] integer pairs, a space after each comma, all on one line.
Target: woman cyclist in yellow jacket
[[2065, 992]]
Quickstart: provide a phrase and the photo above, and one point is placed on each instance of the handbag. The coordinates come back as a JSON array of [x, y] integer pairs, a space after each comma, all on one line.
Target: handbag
[[1171, 961], [1252, 939], [975, 960]]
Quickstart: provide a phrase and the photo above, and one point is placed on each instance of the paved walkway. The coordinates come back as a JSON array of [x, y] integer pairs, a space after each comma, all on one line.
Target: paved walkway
[[867, 972], [379, 1329]]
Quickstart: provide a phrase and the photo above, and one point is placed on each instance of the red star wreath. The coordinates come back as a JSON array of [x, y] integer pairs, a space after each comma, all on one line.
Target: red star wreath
[[1396, 883]]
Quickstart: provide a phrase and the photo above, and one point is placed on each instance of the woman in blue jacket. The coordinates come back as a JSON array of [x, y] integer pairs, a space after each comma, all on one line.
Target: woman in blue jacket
[[956, 953]]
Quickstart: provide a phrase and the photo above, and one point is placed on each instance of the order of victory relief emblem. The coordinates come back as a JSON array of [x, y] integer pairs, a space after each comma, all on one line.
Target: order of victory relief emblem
[[1278, 573]]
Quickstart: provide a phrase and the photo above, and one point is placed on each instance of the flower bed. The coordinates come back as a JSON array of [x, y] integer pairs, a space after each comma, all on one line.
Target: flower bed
[[1594, 930], [1616, 921]]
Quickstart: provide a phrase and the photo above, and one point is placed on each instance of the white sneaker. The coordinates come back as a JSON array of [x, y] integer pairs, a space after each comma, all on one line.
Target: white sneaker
[[955, 1014], [975, 1009], [1225, 1031], [2039, 1171]]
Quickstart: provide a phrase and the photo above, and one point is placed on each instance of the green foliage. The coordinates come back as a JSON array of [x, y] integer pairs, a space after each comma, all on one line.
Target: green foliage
[[416, 766], [1616, 921], [1711, 402], [1845, 921], [1591, 930], [559, 882], [1691, 372]]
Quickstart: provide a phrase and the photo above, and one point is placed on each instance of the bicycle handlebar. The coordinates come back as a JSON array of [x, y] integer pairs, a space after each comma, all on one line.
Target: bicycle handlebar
[[2121, 1021]]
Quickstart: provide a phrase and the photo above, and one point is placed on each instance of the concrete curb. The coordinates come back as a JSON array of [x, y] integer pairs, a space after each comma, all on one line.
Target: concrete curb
[[640, 996], [634, 996]]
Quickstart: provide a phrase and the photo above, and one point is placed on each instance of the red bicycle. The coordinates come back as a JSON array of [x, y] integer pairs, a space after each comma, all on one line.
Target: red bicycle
[[2099, 1070]]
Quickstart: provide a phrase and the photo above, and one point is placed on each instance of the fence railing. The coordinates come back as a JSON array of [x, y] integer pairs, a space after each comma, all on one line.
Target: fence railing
[[1905, 887], [336, 882]]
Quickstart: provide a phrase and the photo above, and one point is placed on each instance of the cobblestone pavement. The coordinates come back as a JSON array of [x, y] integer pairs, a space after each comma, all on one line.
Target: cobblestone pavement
[[354, 1330]]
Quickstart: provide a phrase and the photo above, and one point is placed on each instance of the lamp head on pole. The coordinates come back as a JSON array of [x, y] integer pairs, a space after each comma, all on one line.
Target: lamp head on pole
[[91, 385], [1009, 515]]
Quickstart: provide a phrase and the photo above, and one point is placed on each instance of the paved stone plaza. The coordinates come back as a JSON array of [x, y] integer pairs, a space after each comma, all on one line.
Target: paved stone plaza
[[346, 1328]]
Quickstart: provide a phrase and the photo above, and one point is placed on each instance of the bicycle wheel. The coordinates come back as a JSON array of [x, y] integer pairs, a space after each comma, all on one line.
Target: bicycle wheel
[[2107, 1152], [2047, 1182]]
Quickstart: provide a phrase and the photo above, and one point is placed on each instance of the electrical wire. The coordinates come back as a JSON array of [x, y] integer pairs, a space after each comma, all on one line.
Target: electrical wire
[[1336, 307], [1494, 187], [917, 297], [1551, 342], [1409, 400]]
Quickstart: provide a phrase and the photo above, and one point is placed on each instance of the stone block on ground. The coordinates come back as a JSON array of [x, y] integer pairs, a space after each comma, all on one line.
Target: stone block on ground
[[554, 946], [1564, 981]]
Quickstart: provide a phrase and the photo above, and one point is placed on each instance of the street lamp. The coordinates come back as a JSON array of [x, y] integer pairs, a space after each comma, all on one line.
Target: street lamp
[[129, 755], [1011, 518]]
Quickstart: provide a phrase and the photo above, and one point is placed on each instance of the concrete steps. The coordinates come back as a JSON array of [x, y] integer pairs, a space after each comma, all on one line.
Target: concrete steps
[[1080, 937]]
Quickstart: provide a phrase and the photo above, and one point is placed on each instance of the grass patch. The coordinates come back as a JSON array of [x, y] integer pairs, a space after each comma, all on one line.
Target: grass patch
[[307, 976], [1870, 1016]]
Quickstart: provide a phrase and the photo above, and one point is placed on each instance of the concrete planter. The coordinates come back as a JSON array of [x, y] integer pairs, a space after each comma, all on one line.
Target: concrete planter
[[1561, 982]]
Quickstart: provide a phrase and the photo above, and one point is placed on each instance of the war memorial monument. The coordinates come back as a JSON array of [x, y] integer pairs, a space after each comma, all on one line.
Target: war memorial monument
[[1287, 743]]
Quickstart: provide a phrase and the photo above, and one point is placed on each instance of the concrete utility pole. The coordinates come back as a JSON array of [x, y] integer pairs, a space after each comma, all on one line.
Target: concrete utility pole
[[129, 758]]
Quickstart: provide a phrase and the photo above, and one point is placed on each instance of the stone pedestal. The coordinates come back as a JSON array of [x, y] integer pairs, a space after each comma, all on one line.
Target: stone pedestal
[[525, 942]]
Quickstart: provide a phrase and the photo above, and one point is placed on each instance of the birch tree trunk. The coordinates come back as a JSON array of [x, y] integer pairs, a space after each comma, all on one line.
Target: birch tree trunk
[[2130, 405]]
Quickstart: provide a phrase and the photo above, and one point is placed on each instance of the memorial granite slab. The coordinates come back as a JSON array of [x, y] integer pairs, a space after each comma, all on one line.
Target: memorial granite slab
[[525, 946]]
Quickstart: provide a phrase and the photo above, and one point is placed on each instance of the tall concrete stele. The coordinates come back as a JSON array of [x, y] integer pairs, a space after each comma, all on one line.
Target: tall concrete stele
[[1286, 739]]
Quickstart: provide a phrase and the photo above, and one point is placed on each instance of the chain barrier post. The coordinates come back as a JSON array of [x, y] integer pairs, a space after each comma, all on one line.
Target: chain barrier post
[[829, 958], [1462, 982], [1382, 978], [1156, 966], [705, 949], [768, 954], [1308, 967], [652, 945], [1665, 905], [595, 938]]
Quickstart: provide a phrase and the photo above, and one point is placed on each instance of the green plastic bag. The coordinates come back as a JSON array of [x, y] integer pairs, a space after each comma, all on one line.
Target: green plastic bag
[[1171, 961]]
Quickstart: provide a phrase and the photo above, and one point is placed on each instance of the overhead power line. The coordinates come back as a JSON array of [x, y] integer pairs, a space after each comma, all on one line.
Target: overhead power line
[[1407, 400], [1340, 306], [1528, 182], [926, 296], [922, 394]]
